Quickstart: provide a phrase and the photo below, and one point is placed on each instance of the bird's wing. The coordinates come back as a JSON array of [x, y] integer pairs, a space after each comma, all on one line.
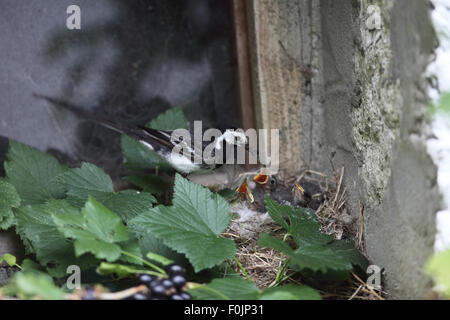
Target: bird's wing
[[162, 136]]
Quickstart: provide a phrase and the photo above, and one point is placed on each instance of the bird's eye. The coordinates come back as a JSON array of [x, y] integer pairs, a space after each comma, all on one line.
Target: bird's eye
[[272, 181], [178, 139]]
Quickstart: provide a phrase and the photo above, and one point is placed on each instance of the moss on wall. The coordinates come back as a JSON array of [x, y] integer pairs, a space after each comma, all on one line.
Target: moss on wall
[[364, 111]]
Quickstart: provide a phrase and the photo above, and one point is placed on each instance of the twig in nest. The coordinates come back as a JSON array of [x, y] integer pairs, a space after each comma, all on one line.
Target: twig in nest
[[361, 226], [366, 286], [338, 187], [356, 292]]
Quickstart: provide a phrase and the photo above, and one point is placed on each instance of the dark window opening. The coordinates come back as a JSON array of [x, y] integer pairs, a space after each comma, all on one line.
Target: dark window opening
[[131, 60]]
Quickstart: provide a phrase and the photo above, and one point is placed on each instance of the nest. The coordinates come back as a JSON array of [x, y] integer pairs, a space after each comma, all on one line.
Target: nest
[[262, 265]]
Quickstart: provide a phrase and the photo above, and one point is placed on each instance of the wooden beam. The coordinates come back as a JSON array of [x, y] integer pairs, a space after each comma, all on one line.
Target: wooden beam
[[275, 47], [244, 67]]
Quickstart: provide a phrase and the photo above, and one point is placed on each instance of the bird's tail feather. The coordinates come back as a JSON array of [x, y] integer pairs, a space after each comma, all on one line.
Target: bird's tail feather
[[158, 139], [83, 113]]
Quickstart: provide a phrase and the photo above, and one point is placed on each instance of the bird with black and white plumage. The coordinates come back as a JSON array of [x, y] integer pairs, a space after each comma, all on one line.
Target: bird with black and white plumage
[[163, 142]]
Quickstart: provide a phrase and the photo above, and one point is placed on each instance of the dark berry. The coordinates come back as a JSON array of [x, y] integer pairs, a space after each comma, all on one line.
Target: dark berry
[[185, 295], [176, 296], [154, 283], [175, 269], [178, 281], [158, 290], [167, 284], [146, 279], [139, 296], [88, 294]]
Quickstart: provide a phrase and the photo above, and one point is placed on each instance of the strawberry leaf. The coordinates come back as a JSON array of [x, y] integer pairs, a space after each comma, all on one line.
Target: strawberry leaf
[[230, 288], [313, 257], [192, 225], [33, 174], [42, 237], [9, 198], [171, 119], [346, 249], [34, 285], [302, 226], [89, 180], [96, 230], [290, 292]]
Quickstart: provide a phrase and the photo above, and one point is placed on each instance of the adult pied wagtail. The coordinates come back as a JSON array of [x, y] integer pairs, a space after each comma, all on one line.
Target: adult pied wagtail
[[163, 143]]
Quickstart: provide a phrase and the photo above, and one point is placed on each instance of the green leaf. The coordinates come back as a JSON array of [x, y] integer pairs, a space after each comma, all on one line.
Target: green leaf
[[192, 225], [266, 240], [132, 247], [129, 203], [30, 265], [235, 288], [317, 251], [86, 181], [120, 270], [151, 184], [90, 180], [9, 198], [303, 225], [172, 119], [312, 257], [34, 284], [226, 289], [9, 259], [33, 174], [160, 259], [228, 194], [276, 212], [290, 292], [347, 250], [318, 258], [42, 237], [139, 157], [438, 267], [306, 231], [96, 230], [149, 243], [442, 106]]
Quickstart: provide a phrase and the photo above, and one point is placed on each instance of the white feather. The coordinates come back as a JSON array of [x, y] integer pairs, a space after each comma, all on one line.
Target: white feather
[[148, 145], [177, 161], [229, 136], [181, 163]]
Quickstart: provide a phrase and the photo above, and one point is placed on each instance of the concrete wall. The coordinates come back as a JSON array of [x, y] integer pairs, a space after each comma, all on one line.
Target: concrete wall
[[364, 94], [367, 114]]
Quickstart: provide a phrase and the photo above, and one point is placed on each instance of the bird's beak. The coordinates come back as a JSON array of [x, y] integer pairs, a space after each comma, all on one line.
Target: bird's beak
[[261, 178], [299, 188], [245, 192]]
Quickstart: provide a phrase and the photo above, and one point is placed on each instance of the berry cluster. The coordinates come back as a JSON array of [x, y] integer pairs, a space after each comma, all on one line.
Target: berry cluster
[[89, 294], [170, 288]]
